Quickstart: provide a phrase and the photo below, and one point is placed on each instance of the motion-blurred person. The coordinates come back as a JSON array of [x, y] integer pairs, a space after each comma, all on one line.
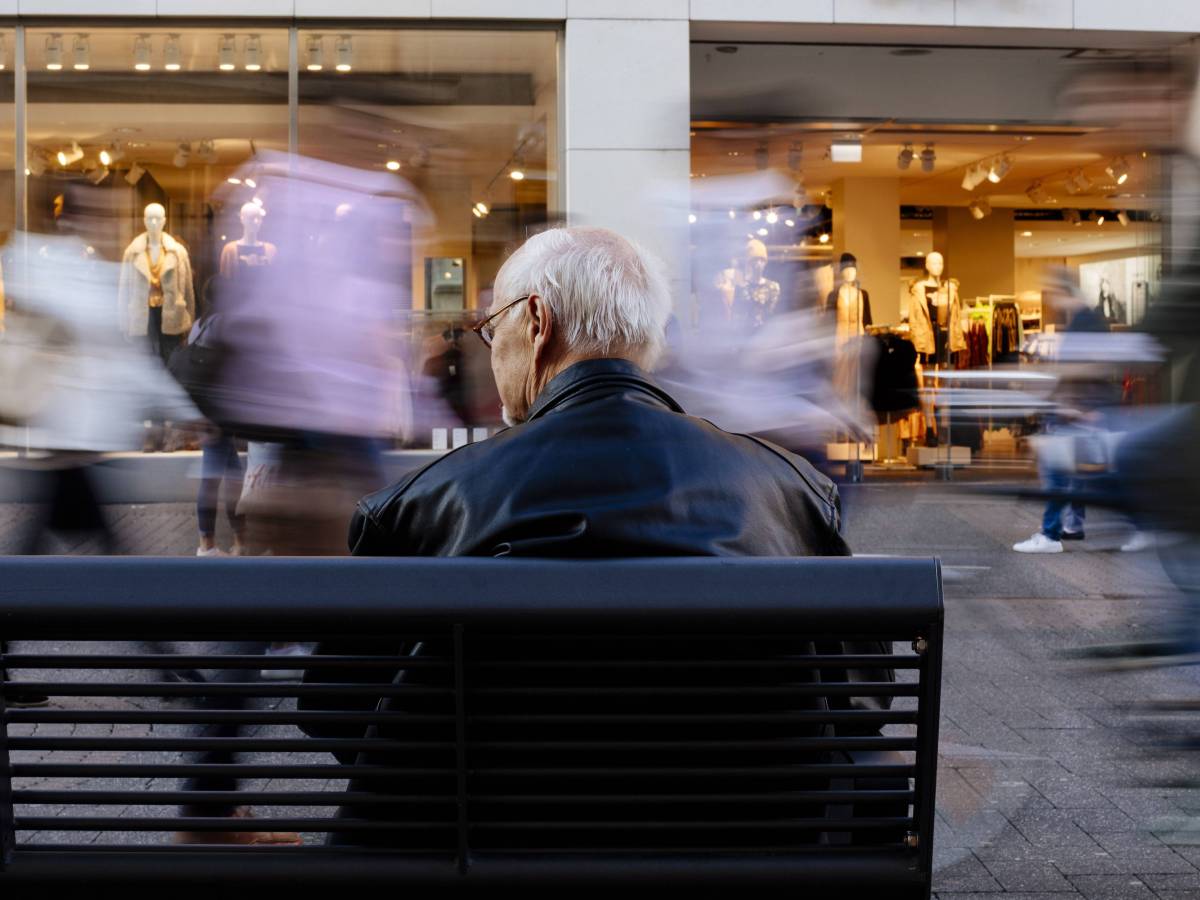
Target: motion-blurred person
[[1076, 422]]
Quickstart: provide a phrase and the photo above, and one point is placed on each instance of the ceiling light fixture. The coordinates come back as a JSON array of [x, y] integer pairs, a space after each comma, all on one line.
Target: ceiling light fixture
[[974, 176], [172, 55], [1036, 193], [1078, 182], [141, 53], [54, 52], [232, 179], [1100, 217], [1026, 234], [928, 158], [37, 164], [105, 158], [207, 152], [226, 54], [183, 154], [482, 208], [762, 232], [824, 237], [1072, 216], [1123, 218], [1118, 170], [846, 151], [772, 217], [998, 169], [81, 53], [345, 54], [904, 158], [135, 173], [250, 183], [980, 208], [393, 165], [72, 154], [790, 223], [97, 175], [253, 54], [316, 54]]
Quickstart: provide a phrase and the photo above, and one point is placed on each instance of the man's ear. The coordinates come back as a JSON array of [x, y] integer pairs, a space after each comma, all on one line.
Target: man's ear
[[540, 325]]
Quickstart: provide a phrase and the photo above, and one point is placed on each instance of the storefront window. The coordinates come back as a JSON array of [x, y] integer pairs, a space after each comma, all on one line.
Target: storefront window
[[930, 199], [468, 120]]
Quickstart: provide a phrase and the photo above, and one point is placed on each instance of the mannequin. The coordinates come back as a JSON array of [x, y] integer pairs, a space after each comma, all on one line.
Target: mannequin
[[937, 327], [756, 296], [156, 298], [247, 251], [849, 302]]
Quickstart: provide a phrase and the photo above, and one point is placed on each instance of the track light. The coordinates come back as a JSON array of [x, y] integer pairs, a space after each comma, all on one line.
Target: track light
[[183, 153], [824, 237], [1036, 193], [790, 223], [250, 183], [172, 55], [226, 54], [97, 175], [72, 154], [980, 208], [928, 158], [54, 52], [141, 53], [345, 54], [1100, 217], [846, 151], [481, 208], [1078, 183], [207, 152], [476, 213], [135, 173], [1123, 218], [316, 54], [1072, 216], [998, 169], [772, 217], [975, 175], [253, 55], [105, 158], [904, 158], [1118, 170], [392, 165], [81, 53]]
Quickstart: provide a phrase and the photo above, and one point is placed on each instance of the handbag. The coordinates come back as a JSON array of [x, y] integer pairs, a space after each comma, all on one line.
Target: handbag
[[197, 366]]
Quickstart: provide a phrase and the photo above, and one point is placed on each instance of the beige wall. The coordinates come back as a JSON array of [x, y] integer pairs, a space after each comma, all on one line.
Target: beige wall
[[979, 253], [866, 216]]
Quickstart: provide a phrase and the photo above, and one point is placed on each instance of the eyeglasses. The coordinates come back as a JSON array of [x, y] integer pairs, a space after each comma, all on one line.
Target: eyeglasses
[[486, 330]]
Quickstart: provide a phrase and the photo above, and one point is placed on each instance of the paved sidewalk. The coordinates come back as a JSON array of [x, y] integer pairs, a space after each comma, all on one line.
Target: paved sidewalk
[[1048, 784]]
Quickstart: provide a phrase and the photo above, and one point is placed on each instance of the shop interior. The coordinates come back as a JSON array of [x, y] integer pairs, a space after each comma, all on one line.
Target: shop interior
[[1007, 196]]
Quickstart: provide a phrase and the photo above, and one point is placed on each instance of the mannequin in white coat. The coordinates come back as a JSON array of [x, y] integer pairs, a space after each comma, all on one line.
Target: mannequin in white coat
[[156, 296]]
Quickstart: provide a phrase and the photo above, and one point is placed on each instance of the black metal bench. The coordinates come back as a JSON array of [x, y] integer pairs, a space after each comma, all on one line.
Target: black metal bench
[[668, 722]]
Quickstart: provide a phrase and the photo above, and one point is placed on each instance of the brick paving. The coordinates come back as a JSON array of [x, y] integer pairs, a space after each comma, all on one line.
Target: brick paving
[[1053, 782]]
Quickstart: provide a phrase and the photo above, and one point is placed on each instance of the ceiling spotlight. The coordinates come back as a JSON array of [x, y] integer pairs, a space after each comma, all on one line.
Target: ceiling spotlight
[[172, 55], [795, 157], [732, 214], [979, 208], [72, 154], [998, 169], [226, 54], [975, 175], [1072, 216], [756, 215], [762, 232], [772, 217], [141, 53], [846, 151], [928, 158], [517, 173], [232, 179], [790, 223], [1026, 234], [207, 152], [1036, 193], [135, 173], [81, 53], [482, 208], [316, 54], [691, 218], [54, 52], [476, 213], [393, 165], [1100, 218], [345, 54], [183, 153], [1078, 183], [1123, 218], [1118, 170], [904, 158], [105, 158], [97, 175], [250, 182], [762, 156], [253, 55]]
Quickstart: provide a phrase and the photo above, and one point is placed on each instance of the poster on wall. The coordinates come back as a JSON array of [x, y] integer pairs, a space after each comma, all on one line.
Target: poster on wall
[[1119, 289]]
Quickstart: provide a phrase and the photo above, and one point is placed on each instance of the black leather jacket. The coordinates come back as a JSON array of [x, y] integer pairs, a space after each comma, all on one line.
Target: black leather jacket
[[607, 465]]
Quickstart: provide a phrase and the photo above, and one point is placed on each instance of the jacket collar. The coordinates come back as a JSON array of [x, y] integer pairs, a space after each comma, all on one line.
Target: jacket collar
[[137, 247], [591, 374]]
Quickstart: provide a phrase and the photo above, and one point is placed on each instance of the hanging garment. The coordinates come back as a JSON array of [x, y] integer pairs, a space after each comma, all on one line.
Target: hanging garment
[[894, 383]]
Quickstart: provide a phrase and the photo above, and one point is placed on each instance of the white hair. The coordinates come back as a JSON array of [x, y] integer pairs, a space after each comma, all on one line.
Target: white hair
[[608, 295]]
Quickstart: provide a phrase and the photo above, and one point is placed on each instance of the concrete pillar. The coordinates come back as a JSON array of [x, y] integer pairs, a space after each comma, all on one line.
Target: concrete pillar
[[978, 252], [866, 222], [627, 148]]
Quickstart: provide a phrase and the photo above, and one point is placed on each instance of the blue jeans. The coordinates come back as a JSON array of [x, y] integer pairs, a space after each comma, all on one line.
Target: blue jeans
[[220, 463], [1060, 515]]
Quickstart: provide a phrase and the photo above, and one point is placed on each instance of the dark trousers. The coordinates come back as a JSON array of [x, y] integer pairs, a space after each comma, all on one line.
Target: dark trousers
[[160, 344]]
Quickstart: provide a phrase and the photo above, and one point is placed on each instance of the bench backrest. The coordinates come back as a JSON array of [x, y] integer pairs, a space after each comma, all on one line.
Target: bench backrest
[[630, 720]]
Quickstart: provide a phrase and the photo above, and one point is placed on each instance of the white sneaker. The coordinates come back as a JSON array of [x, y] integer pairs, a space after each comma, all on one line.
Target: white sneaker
[[1039, 543], [211, 551], [1139, 541]]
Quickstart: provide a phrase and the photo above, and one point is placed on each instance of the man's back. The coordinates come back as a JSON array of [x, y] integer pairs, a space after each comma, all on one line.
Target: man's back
[[607, 465]]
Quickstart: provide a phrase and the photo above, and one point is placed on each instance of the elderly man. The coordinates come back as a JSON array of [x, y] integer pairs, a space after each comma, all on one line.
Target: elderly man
[[598, 460]]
